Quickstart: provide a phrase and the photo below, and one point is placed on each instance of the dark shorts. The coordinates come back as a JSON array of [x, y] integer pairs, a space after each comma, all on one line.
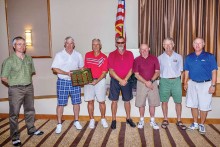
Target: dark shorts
[[116, 88]]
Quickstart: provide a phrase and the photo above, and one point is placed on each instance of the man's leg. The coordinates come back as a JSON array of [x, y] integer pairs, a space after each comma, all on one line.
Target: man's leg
[[29, 110], [114, 107], [164, 109], [76, 109], [127, 106], [142, 110], [15, 102], [203, 115], [59, 114], [178, 111], [152, 111], [195, 114], [102, 108], [91, 109]]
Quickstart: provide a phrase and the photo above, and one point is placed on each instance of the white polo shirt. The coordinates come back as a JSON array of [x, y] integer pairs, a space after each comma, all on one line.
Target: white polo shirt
[[170, 66], [67, 62]]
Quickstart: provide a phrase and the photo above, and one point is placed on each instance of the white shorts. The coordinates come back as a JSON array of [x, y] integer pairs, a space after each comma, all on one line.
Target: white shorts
[[198, 96], [98, 91]]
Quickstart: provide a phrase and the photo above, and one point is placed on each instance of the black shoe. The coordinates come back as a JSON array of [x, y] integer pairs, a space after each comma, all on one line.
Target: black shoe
[[130, 122], [113, 125], [38, 133], [16, 142]]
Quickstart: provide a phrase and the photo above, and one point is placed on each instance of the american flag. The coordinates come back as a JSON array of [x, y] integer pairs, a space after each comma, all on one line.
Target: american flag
[[120, 19]]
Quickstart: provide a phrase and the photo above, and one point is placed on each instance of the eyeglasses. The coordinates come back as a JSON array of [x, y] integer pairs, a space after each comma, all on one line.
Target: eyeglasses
[[120, 42]]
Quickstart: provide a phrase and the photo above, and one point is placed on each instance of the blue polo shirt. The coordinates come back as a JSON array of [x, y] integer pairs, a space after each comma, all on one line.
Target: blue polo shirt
[[200, 67]]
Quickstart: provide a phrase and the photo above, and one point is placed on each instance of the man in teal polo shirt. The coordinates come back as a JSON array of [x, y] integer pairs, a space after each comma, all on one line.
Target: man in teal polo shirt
[[17, 71]]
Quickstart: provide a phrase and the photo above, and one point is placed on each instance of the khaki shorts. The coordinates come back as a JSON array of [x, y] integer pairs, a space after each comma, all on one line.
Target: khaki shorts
[[144, 93], [98, 91]]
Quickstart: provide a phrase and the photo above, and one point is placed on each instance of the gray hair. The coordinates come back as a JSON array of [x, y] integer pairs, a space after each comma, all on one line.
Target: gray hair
[[98, 40], [16, 39], [67, 38], [169, 39]]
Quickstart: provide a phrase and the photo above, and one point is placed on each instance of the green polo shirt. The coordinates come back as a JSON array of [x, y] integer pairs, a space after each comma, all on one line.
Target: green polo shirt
[[18, 71]]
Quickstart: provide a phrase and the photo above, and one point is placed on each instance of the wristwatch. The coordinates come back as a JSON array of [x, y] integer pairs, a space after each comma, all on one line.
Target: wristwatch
[[213, 85], [152, 81]]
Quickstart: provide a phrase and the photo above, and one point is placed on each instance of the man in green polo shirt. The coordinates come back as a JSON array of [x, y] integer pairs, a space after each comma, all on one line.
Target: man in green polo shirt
[[17, 71]]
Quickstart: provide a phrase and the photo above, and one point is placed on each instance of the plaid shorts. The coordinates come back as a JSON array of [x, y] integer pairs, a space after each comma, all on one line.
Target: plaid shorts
[[66, 89]]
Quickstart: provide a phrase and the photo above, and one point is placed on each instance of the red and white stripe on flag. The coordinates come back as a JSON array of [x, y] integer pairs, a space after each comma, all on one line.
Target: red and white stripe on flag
[[120, 19]]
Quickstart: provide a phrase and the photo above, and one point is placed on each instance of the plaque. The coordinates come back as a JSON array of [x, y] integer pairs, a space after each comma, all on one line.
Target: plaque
[[81, 77]]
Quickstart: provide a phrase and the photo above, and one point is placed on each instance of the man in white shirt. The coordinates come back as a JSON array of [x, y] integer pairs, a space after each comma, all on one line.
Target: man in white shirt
[[171, 67], [64, 62]]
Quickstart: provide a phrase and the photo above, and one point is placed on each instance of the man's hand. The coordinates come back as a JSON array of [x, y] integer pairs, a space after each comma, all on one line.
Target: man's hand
[[123, 82], [185, 86], [211, 89], [149, 84]]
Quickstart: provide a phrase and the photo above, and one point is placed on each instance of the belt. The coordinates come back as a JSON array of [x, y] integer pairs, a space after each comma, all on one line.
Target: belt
[[202, 81], [21, 85], [172, 78]]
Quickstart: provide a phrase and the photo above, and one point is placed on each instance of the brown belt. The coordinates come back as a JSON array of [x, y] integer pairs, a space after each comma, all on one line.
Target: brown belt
[[172, 78]]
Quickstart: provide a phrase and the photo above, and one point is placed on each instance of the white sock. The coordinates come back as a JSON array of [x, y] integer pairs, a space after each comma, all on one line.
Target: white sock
[[152, 119], [195, 123], [142, 119]]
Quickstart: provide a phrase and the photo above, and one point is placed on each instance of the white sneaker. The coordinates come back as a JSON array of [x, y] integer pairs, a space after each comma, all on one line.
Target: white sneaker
[[141, 124], [201, 129], [59, 129], [193, 126], [104, 123], [92, 124], [154, 125], [77, 125]]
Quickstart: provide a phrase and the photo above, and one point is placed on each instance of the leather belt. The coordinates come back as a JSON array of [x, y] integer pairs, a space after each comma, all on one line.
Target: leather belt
[[172, 78], [20, 85], [202, 81]]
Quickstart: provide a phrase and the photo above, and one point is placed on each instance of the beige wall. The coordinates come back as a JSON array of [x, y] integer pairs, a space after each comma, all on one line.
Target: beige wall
[[25, 15], [84, 20]]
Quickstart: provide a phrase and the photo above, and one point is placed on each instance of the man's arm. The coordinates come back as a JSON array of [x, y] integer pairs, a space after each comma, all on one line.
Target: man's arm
[[186, 78], [5, 80], [59, 71], [103, 75], [214, 79], [114, 75]]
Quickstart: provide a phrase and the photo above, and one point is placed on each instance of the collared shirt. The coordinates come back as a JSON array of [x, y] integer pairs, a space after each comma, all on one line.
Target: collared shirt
[[98, 64], [18, 71], [170, 66], [121, 64], [67, 62], [200, 67], [146, 67]]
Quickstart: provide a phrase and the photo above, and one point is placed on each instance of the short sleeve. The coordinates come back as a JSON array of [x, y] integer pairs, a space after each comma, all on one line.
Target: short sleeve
[[6, 68], [56, 63], [81, 62]]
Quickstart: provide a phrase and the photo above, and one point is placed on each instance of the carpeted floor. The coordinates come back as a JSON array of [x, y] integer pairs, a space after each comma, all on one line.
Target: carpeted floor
[[124, 135]]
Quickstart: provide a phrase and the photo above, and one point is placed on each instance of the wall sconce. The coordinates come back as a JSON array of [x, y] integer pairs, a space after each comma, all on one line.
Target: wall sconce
[[28, 37]]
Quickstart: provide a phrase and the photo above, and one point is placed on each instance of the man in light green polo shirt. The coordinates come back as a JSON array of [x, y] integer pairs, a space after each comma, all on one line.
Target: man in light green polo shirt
[[17, 71]]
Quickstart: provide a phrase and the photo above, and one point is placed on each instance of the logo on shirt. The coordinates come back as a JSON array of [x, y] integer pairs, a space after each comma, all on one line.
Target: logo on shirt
[[203, 60], [174, 60]]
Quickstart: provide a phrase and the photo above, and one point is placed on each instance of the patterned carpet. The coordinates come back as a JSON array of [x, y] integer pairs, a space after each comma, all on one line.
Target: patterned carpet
[[124, 135]]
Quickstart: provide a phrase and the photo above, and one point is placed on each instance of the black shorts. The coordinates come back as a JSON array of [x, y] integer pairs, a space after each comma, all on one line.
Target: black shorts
[[115, 89]]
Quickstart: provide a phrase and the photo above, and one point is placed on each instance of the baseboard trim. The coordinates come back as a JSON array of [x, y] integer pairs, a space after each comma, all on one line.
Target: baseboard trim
[[119, 119]]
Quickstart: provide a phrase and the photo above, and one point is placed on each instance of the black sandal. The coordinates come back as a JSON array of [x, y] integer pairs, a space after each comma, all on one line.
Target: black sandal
[[181, 125], [164, 124]]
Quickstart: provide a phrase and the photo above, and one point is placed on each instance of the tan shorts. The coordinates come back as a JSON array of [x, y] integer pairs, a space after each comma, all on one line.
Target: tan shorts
[[143, 93]]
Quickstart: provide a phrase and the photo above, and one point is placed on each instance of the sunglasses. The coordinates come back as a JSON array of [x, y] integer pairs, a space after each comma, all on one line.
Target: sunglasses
[[120, 42]]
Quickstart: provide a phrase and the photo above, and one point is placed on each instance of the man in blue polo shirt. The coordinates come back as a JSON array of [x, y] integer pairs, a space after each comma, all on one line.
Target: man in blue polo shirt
[[200, 79]]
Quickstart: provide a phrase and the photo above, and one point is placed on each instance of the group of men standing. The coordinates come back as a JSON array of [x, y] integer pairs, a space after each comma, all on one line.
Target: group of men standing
[[199, 81]]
